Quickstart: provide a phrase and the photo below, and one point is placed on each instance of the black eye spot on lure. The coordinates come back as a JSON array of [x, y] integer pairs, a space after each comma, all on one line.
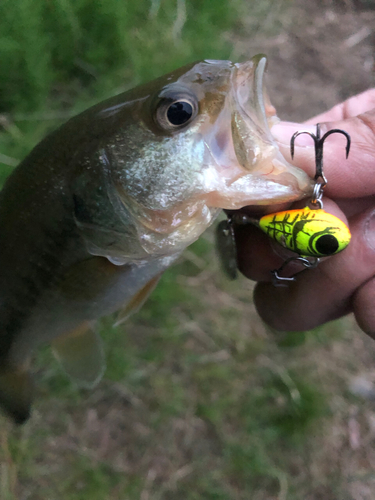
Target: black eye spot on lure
[[327, 244]]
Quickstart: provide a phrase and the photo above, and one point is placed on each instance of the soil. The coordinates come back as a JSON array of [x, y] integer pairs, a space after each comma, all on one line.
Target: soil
[[323, 55]]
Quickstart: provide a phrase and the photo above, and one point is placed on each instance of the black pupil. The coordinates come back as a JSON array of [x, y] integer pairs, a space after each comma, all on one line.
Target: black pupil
[[179, 112], [327, 244]]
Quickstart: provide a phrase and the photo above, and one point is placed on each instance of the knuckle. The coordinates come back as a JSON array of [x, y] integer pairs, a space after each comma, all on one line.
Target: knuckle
[[367, 120]]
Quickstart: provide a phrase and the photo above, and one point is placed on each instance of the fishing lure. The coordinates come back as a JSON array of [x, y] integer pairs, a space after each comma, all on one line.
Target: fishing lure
[[307, 231], [310, 232]]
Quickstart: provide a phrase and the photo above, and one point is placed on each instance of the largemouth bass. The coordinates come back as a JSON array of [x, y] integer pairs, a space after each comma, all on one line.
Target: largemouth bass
[[102, 206]]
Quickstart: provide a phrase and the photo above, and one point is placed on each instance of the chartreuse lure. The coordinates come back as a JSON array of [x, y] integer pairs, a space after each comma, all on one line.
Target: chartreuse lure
[[308, 232]]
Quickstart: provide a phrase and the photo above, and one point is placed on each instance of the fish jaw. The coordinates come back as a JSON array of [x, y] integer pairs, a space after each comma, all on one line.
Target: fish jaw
[[248, 167]]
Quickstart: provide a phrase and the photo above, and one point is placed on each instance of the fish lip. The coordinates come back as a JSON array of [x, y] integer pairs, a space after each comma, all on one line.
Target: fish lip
[[252, 74], [260, 92], [251, 134]]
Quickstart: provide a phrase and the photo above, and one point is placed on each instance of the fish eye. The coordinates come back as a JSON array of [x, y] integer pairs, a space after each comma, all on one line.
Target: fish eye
[[179, 112], [327, 244], [176, 111]]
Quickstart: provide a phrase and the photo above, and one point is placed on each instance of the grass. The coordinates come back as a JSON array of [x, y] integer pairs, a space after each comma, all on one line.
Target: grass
[[200, 399], [59, 57], [196, 403]]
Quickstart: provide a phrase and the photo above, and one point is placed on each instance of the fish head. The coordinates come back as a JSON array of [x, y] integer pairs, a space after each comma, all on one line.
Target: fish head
[[194, 142]]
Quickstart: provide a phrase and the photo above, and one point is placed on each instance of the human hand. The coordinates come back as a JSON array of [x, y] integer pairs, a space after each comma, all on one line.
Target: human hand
[[342, 283]]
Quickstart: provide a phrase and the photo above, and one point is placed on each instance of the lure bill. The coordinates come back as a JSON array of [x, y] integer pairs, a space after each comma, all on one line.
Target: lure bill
[[308, 232]]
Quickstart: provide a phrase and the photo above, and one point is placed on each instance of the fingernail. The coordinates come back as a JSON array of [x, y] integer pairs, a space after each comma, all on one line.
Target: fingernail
[[283, 132], [370, 230]]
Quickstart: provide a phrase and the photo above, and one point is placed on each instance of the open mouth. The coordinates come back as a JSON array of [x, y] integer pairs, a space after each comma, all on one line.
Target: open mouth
[[251, 116], [250, 93], [250, 169]]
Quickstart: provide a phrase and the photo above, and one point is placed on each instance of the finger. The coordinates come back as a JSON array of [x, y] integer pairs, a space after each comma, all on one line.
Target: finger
[[353, 206], [363, 307], [255, 255], [364, 297], [258, 255], [322, 294], [347, 178], [354, 106]]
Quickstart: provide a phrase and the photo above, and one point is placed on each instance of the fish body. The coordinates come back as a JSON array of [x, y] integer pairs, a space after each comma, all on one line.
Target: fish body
[[102, 206]]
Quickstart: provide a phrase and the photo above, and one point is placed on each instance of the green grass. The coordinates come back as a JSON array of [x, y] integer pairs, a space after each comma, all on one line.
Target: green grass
[[61, 56], [199, 399]]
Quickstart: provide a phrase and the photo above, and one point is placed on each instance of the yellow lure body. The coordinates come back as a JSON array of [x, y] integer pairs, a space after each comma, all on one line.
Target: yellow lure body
[[308, 232]]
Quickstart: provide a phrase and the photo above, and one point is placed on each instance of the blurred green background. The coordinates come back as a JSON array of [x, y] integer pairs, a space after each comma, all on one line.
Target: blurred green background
[[200, 399]]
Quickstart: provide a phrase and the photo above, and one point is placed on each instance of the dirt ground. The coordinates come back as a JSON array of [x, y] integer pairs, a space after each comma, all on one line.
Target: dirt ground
[[323, 55]]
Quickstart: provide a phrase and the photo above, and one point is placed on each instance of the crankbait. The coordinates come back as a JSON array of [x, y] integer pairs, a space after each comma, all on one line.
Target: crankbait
[[310, 232]]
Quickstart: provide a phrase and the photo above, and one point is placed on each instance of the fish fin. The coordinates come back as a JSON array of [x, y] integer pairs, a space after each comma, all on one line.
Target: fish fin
[[16, 389], [137, 300], [81, 354]]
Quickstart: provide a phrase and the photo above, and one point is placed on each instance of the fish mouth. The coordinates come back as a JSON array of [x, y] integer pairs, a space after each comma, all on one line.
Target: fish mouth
[[250, 167], [250, 97]]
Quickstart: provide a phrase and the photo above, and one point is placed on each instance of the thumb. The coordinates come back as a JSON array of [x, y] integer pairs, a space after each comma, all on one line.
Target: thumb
[[347, 178]]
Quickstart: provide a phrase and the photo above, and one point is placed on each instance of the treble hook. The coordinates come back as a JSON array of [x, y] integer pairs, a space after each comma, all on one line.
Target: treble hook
[[278, 280], [318, 142]]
